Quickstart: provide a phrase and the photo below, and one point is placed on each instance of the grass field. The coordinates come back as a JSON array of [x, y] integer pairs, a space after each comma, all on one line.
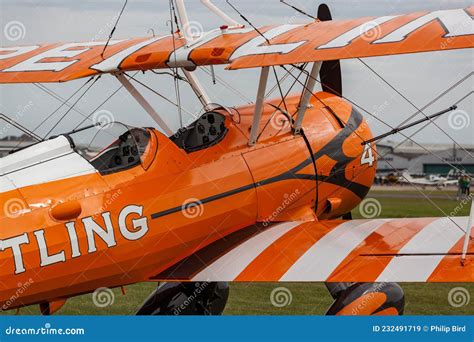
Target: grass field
[[310, 298]]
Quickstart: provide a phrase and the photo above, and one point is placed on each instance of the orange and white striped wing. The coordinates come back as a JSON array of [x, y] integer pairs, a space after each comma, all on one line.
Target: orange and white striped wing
[[376, 250], [244, 47]]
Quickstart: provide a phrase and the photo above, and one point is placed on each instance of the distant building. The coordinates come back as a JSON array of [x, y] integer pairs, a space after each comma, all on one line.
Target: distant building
[[388, 160], [430, 164], [12, 142], [424, 158]]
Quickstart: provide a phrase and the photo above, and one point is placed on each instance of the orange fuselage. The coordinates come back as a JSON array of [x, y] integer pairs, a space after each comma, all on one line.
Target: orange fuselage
[[131, 225]]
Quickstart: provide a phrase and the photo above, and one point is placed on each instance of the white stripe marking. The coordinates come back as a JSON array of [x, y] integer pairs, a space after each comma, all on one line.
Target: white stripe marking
[[68, 166], [113, 62], [230, 265], [44, 162], [258, 46], [325, 255], [35, 154], [358, 31], [437, 238]]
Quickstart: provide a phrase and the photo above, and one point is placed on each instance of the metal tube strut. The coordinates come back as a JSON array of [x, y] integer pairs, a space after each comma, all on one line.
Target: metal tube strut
[[220, 13], [306, 95], [262, 85], [144, 103], [197, 88]]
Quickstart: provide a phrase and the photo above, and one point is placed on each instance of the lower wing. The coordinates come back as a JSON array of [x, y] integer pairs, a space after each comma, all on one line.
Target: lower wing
[[372, 250]]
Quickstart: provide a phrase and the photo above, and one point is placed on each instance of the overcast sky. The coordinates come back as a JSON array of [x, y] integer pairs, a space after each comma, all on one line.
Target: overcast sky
[[420, 77]]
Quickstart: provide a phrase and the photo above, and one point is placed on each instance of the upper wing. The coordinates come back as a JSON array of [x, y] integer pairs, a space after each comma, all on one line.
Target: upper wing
[[367, 37], [378, 250], [68, 61], [244, 47]]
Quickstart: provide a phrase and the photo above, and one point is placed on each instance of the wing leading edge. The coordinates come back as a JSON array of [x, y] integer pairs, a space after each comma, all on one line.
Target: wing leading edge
[[243, 47], [376, 250]]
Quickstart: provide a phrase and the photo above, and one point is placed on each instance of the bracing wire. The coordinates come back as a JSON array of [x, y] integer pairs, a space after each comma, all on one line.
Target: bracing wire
[[73, 105], [298, 10], [435, 100], [229, 86], [285, 76], [157, 93], [100, 105], [375, 117], [57, 97], [414, 106], [279, 89], [354, 131], [113, 29], [278, 107], [238, 92], [419, 110], [63, 102], [247, 21], [176, 74]]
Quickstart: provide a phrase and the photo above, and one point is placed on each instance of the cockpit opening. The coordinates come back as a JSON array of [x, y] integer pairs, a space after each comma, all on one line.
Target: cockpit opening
[[113, 147], [209, 129]]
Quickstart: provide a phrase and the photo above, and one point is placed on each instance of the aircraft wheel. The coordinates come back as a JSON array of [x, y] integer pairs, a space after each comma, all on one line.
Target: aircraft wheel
[[369, 299], [187, 298]]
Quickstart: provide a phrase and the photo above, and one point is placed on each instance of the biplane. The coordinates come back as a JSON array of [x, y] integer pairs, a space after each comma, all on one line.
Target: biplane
[[228, 197], [432, 180]]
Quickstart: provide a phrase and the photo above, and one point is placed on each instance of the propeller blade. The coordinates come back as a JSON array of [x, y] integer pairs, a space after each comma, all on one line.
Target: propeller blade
[[330, 73], [324, 14]]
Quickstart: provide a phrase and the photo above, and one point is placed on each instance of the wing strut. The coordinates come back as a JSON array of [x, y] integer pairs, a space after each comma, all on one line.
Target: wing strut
[[197, 88], [20, 127], [183, 18], [259, 105], [306, 95], [213, 8], [144, 103]]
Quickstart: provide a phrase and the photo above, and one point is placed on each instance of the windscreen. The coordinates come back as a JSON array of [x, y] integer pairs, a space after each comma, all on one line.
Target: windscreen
[[113, 147]]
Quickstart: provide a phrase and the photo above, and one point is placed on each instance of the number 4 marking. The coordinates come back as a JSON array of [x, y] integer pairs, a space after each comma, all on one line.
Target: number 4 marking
[[367, 156]]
